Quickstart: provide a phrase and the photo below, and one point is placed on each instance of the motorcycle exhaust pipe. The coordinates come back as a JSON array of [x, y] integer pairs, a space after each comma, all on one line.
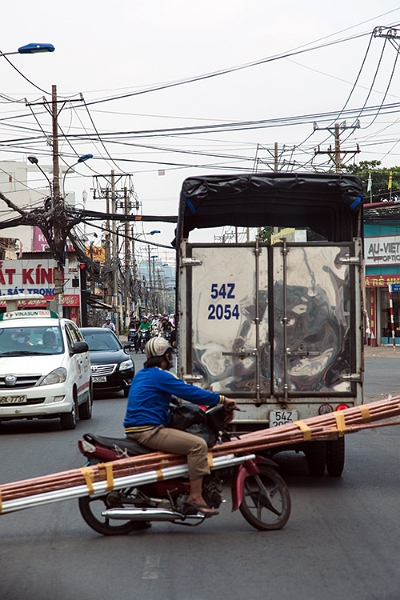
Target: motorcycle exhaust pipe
[[148, 514]]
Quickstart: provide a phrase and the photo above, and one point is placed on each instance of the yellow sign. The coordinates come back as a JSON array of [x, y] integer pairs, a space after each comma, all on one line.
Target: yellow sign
[[96, 253], [288, 233]]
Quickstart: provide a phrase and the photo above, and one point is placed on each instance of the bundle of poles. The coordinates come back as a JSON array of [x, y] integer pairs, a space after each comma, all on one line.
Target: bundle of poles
[[139, 470]]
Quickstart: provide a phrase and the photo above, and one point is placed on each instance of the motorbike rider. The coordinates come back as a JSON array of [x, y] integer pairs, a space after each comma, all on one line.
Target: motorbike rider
[[145, 325], [147, 417]]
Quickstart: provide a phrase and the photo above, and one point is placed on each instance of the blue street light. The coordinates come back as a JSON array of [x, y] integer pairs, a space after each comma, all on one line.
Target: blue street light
[[81, 159], [84, 158], [31, 49], [35, 48]]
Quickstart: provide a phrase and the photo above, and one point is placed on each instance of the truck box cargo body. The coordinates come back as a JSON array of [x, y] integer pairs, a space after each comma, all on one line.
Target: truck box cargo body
[[278, 327]]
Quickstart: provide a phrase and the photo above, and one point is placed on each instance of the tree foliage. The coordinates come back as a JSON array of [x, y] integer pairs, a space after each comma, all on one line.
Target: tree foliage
[[379, 178]]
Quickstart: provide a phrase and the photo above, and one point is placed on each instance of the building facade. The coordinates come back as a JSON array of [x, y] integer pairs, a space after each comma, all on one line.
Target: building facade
[[382, 283]]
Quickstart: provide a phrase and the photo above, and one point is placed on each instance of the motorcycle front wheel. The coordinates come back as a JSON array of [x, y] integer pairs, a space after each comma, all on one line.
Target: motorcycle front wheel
[[266, 503], [91, 509]]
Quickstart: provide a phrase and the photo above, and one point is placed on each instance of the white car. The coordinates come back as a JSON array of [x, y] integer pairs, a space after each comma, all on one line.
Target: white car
[[45, 368]]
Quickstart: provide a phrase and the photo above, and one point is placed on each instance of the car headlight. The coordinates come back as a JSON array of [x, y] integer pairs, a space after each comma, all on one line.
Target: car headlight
[[127, 364], [57, 376]]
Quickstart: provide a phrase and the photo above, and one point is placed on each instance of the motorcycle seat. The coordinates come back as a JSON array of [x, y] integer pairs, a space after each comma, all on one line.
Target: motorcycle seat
[[129, 447]]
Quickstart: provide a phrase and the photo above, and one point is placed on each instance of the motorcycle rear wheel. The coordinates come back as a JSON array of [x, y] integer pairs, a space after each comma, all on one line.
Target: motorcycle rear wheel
[[91, 509], [266, 503]]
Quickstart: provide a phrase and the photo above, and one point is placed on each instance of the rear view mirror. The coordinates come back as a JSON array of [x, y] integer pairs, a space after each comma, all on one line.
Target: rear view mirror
[[80, 347]]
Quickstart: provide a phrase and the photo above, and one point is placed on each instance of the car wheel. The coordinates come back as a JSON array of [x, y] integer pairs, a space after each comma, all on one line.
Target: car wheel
[[85, 409], [68, 420]]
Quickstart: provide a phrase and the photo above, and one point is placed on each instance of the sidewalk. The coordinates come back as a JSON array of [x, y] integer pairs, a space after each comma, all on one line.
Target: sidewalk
[[382, 352]]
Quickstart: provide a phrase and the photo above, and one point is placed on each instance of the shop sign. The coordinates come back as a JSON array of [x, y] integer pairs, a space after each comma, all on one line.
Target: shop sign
[[33, 277], [373, 281], [382, 250], [96, 253]]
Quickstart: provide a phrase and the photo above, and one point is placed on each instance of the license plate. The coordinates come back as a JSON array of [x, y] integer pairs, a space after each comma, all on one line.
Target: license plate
[[99, 379], [12, 399], [282, 417]]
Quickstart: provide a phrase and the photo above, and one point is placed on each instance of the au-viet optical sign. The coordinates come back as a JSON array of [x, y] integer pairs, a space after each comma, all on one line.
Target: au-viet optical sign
[[380, 251]]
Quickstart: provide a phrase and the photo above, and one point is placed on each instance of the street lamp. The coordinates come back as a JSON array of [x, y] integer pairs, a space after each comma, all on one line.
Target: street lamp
[[35, 161], [31, 49], [153, 232], [81, 159]]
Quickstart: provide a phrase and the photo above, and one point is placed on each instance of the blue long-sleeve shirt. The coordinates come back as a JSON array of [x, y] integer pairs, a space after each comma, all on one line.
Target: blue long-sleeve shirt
[[150, 397]]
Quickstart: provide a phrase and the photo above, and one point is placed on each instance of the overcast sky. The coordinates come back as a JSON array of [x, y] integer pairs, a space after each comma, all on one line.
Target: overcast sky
[[110, 49]]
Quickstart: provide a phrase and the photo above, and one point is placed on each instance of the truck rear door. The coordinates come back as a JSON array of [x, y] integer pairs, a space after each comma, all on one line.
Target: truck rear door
[[271, 323]]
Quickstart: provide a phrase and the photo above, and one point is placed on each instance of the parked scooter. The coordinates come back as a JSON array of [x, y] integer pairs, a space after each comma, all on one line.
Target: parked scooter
[[258, 491]]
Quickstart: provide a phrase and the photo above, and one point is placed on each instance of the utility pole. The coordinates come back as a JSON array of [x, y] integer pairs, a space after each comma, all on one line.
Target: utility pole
[[125, 191], [389, 33], [58, 204], [115, 260], [127, 287], [57, 201], [108, 278], [150, 282], [336, 154]]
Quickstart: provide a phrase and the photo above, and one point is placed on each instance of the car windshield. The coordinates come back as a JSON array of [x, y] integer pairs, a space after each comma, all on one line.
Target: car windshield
[[100, 341], [31, 341]]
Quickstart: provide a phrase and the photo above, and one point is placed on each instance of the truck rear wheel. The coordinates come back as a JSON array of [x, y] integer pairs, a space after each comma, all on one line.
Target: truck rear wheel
[[335, 456], [316, 458]]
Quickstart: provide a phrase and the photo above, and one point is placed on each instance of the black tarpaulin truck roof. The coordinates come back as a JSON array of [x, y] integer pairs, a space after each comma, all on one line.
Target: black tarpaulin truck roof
[[330, 204]]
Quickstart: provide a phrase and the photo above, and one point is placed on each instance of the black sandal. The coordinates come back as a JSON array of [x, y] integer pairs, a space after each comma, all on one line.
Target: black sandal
[[190, 508]]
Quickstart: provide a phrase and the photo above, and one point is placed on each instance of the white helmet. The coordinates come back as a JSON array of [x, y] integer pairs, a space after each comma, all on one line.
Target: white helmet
[[157, 346]]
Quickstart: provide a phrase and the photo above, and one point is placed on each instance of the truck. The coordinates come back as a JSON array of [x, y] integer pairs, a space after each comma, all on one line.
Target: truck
[[278, 324]]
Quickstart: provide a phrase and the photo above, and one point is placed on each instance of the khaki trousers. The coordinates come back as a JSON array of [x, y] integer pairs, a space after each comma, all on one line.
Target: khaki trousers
[[166, 439]]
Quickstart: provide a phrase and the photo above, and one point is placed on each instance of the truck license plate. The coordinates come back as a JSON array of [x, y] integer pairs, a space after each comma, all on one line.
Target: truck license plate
[[12, 399], [99, 379], [282, 417]]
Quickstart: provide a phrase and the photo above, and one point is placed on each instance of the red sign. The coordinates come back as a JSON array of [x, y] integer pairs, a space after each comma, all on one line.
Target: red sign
[[373, 281], [67, 300]]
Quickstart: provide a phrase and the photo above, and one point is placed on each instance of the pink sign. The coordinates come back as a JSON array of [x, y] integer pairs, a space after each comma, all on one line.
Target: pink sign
[[39, 241]]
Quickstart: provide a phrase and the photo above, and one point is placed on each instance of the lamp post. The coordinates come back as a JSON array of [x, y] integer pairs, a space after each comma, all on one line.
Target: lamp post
[[31, 49], [35, 161], [80, 160]]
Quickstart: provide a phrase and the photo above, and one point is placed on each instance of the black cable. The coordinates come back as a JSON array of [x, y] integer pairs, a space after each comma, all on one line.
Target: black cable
[[211, 75], [98, 135], [24, 76]]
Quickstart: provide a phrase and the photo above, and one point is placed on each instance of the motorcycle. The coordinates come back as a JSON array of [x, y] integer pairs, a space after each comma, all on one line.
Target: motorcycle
[[144, 337], [257, 490], [133, 338], [166, 334]]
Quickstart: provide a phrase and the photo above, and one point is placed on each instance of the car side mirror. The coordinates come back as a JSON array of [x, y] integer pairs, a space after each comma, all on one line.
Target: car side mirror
[[80, 348], [129, 348]]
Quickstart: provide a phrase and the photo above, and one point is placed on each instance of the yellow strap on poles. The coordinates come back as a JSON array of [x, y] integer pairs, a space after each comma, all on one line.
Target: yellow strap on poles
[[340, 422], [160, 475], [305, 429], [110, 477], [210, 460], [88, 475], [364, 410]]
